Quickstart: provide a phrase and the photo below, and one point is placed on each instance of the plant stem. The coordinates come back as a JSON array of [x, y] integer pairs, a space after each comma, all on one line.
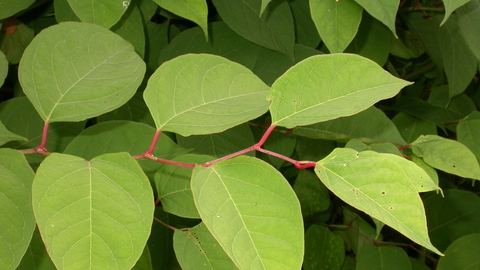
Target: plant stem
[[298, 164], [154, 142]]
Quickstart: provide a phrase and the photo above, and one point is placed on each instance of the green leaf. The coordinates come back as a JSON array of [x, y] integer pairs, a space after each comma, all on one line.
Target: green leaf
[[459, 62], [148, 9], [467, 134], [337, 22], [450, 6], [105, 13], [134, 110], [280, 143], [469, 25], [36, 256], [382, 10], [252, 211], [196, 248], [73, 71], [173, 186], [13, 45], [193, 10], [323, 249], [305, 31], [220, 144], [9, 8], [462, 254], [368, 126], [78, 203], [383, 258], [380, 185], [6, 135], [130, 27], [156, 41], [447, 155], [3, 68], [63, 11], [411, 127], [17, 220], [221, 94], [407, 45], [273, 30], [145, 262], [453, 216], [372, 40], [349, 84], [263, 6], [311, 193], [123, 136]]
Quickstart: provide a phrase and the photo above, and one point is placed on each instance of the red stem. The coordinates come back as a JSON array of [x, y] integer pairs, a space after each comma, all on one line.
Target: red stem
[[298, 164], [154, 142], [404, 147]]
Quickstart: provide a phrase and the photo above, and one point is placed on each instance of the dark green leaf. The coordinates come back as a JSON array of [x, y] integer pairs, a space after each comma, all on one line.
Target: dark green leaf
[[13, 45], [406, 45], [252, 211], [451, 6], [6, 135], [323, 249], [194, 10], [220, 144], [411, 127], [130, 27], [68, 79], [467, 133], [453, 216], [462, 254], [311, 193], [144, 263], [382, 258], [9, 8], [469, 25], [368, 126], [36, 257], [17, 220], [3, 68], [305, 31], [273, 30], [63, 11], [78, 203]]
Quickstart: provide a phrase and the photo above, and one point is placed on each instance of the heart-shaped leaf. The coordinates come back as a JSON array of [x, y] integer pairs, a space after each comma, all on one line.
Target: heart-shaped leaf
[[78, 203], [73, 71], [385, 186], [326, 87], [252, 211], [202, 94], [101, 12]]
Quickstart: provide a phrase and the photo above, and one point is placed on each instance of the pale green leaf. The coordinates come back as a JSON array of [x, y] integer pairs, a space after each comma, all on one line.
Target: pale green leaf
[[447, 155], [469, 25], [9, 8], [273, 30], [3, 68], [105, 13], [368, 126], [130, 27], [305, 31], [73, 71], [203, 94], [36, 257], [451, 6], [459, 62], [193, 10], [427, 168], [196, 248], [462, 254], [337, 22], [382, 10], [6, 135], [467, 134], [385, 186], [17, 222], [372, 40], [349, 84], [173, 186], [452, 216], [383, 258], [411, 127], [79, 203], [123, 136], [13, 45], [252, 211], [311, 193], [323, 249], [220, 144]]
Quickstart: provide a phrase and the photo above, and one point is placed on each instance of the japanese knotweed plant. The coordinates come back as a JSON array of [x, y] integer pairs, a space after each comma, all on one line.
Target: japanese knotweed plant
[[94, 201]]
